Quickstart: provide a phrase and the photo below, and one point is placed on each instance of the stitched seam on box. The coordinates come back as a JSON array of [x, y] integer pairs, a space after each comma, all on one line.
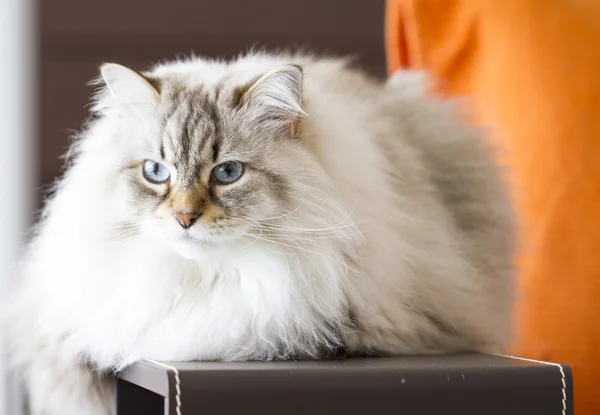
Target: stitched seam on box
[[560, 368], [177, 384]]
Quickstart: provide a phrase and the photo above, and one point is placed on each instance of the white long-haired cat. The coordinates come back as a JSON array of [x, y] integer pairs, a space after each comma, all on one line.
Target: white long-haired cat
[[271, 207]]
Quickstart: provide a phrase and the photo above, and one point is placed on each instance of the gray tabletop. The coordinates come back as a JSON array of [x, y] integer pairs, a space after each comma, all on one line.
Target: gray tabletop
[[465, 384]]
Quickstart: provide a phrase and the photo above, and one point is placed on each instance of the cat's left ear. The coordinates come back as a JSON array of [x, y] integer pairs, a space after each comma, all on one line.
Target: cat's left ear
[[275, 99], [127, 86]]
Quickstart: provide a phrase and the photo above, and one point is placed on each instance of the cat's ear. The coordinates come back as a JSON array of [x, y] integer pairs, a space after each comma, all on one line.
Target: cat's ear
[[127, 86], [275, 99]]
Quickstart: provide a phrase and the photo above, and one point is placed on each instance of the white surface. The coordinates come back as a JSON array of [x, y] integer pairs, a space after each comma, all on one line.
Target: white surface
[[18, 167]]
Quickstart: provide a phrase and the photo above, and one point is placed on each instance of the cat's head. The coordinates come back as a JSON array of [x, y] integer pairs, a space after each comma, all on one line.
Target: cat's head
[[219, 163]]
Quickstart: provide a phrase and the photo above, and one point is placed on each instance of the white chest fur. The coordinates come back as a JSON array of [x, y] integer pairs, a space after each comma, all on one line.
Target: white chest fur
[[141, 301]]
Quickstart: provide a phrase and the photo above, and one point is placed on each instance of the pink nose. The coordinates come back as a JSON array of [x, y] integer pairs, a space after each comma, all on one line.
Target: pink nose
[[186, 219]]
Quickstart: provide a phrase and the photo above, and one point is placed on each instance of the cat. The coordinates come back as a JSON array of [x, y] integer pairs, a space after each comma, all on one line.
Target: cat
[[268, 207]]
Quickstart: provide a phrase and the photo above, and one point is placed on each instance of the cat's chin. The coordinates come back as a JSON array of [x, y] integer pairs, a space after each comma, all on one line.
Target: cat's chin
[[193, 249], [189, 251], [193, 244], [196, 249]]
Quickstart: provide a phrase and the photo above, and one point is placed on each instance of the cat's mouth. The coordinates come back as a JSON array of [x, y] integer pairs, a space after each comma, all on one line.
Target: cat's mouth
[[192, 247], [202, 239], [205, 238], [194, 239]]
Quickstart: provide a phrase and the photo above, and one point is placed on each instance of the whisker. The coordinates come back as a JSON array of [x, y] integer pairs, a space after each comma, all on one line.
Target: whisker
[[315, 238], [256, 238], [332, 228], [346, 218], [120, 239], [312, 252], [252, 242], [282, 216]]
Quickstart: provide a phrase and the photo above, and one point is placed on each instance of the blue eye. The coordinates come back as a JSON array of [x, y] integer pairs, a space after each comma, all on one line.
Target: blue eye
[[228, 172], [155, 172]]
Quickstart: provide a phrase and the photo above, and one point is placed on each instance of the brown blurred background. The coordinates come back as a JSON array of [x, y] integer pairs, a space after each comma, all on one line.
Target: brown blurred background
[[78, 35]]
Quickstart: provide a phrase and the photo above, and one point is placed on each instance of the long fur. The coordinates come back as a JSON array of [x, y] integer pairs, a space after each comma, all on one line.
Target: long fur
[[377, 224]]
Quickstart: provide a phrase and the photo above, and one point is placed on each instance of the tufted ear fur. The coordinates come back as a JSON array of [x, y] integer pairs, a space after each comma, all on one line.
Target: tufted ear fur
[[275, 99], [127, 87]]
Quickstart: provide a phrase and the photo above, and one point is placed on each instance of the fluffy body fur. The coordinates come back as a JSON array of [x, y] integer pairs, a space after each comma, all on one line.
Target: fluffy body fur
[[369, 219]]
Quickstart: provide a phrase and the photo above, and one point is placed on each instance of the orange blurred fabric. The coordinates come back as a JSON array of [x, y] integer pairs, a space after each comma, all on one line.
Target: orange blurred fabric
[[532, 70]]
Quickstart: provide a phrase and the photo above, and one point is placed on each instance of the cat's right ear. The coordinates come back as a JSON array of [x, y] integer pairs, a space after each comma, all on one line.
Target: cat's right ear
[[127, 87]]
